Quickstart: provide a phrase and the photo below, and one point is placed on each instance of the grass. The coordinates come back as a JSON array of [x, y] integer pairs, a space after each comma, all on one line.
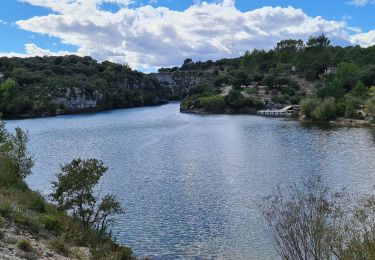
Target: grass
[[25, 245], [251, 91]]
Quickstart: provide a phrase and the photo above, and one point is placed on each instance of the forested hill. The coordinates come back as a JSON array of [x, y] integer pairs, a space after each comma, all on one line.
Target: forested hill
[[54, 85], [286, 74]]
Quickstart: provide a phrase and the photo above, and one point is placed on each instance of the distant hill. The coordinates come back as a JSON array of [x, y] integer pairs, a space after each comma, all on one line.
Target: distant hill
[[275, 78], [53, 85]]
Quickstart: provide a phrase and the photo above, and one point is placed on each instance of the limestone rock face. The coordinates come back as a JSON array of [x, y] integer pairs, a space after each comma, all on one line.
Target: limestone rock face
[[74, 99], [177, 81]]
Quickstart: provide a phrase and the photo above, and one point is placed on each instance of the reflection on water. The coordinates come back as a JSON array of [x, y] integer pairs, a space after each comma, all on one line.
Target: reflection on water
[[190, 184]]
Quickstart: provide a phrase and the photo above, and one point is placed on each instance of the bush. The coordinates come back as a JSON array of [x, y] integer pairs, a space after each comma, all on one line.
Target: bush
[[52, 223], [6, 209], [32, 224], [25, 246], [214, 104], [234, 99], [282, 99], [326, 110], [370, 107], [60, 246], [308, 105], [36, 202]]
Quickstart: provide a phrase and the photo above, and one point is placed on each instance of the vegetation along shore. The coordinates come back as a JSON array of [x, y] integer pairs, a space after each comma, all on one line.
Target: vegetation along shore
[[328, 82], [75, 226]]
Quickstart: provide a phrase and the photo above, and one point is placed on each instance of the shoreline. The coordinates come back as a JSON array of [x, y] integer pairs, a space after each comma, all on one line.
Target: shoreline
[[79, 112], [339, 122]]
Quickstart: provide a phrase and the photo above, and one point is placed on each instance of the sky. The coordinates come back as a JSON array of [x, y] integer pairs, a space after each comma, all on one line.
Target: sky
[[149, 34]]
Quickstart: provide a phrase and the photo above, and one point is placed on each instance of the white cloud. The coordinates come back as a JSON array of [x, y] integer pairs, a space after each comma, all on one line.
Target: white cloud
[[364, 39], [33, 50], [360, 3], [2, 22], [157, 36]]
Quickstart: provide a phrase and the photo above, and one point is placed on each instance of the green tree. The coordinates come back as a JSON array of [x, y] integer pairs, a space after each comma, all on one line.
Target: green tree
[[308, 106], [74, 191], [326, 110], [331, 89], [214, 104], [234, 99], [347, 75], [360, 91], [320, 41], [370, 107], [248, 62], [19, 155]]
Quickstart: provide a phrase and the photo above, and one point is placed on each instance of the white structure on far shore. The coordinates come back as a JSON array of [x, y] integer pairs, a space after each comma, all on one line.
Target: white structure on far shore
[[284, 112]]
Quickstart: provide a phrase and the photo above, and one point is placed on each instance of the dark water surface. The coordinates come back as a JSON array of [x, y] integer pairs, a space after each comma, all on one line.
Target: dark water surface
[[190, 184]]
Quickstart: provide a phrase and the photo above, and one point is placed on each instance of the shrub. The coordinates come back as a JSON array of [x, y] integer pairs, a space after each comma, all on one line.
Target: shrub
[[370, 107], [326, 110], [308, 105], [234, 99], [25, 245], [60, 246], [32, 224], [6, 209], [215, 104], [52, 223], [2, 222]]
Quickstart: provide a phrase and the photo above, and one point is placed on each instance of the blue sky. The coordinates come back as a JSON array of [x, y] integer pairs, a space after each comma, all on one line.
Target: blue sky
[[148, 37]]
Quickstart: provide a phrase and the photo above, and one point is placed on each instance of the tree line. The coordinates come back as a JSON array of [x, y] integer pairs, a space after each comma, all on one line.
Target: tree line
[[281, 69], [36, 85]]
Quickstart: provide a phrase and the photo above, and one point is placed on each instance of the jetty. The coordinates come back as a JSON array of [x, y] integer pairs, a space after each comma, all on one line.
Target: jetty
[[287, 111]]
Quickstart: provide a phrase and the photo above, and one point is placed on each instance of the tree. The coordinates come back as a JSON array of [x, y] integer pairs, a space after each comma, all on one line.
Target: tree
[[214, 104], [19, 155], [320, 41], [331, 89], [290, 45], [347, 75], [74, 191], [308, 106], [370, 107], [360, 91], [248, 62], [302, 222], [187, 61], [326, 110], [235, 99]]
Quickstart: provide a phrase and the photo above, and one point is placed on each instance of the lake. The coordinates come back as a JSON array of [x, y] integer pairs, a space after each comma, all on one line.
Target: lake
[[189, 184]]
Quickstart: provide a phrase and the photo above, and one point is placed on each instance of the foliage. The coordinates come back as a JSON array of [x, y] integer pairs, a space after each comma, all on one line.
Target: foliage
[[19, 154], [74, 191], [38, 85], [326, 110], [360, 91], [301, 222], [331, 89], [25, 245], [308, 106], [347, 75], [370, 106], [311, 221], [32, 214], [235, 99], [214, 104]]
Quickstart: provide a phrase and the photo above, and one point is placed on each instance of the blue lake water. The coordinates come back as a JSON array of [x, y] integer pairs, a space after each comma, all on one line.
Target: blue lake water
[[190, 184]]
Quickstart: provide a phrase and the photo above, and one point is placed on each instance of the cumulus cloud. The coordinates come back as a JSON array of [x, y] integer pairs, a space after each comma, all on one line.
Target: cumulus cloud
[[157, 36], [364, 39]]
